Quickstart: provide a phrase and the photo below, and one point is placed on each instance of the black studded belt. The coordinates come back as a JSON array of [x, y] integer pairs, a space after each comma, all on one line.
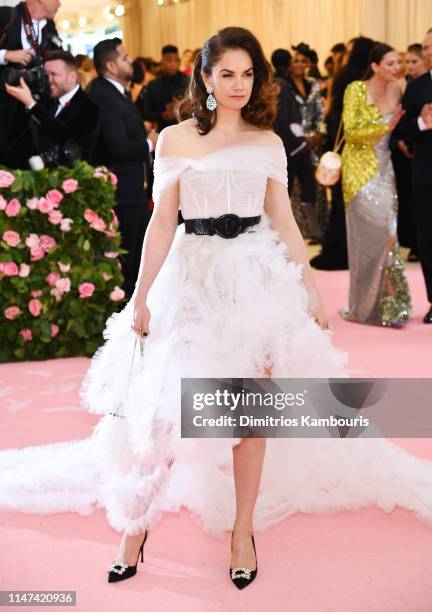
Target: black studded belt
[[226, 226]]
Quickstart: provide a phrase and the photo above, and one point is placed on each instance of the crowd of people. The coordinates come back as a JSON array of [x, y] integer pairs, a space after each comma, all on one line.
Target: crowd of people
[[110, 110]]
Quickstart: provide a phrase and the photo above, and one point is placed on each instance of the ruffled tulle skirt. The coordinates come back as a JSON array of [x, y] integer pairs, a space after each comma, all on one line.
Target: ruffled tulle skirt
[[224, 309]]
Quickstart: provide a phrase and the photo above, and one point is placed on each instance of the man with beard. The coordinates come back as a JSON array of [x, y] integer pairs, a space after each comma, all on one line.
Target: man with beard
[[122, 147]]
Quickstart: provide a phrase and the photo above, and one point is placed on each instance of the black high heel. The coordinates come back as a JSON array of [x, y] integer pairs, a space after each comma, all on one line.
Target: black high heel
[[243, 576], [120, 571]]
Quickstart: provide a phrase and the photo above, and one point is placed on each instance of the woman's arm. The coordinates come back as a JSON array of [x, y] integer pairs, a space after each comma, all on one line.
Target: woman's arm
[[157, 242], [278, 208]]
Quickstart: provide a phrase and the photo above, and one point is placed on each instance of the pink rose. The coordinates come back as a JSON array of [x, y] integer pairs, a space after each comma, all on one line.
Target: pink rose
[[63, 267], [33, 203], [3, 203], [13, 208], [65, 224], [37, 253], [70, 185], [110, 231], [63, 285], [98, 225], [9, 268], [47, 242], [54, 330], [111, 254], [12, 312], [115, 220], [55, 217], [52, 278], [45, 206], [117, 294], [106, 276], [35, 307], [24, 270], [26, 334], [114, 179], [36, 294], [86, 290], [55, 195], [11, 238], [6, 178], [56, 293], [32, 240], [90, 215]]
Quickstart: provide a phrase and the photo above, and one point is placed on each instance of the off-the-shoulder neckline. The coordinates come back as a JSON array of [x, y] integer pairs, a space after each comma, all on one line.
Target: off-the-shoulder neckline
[[221, 150]]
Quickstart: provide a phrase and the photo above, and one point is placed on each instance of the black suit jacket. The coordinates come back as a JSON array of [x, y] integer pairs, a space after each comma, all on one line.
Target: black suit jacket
[[288, 113], [122, 142], [12, 40], [78, 121], [417, 94]]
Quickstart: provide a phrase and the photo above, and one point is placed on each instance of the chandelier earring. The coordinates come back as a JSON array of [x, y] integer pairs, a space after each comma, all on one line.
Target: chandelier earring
[[211, 102]]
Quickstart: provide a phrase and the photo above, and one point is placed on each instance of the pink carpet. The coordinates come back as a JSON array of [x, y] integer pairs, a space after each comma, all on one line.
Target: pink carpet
[[350, 561]]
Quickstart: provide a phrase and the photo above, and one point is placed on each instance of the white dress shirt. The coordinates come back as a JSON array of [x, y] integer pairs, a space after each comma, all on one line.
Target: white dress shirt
[[38, 26]]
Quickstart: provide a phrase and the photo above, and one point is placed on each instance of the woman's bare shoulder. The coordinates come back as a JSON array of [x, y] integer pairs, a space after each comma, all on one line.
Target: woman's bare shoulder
[[176, 139]]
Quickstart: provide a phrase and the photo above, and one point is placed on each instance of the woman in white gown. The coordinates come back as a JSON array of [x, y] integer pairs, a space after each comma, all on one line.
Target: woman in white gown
[[240, 307]]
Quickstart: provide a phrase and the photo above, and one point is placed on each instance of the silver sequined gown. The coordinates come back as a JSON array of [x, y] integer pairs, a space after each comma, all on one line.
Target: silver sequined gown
[[378, 293]]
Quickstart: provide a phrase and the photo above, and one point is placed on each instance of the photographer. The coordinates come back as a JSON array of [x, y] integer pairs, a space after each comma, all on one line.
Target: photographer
[[67, 131], [27, 32]]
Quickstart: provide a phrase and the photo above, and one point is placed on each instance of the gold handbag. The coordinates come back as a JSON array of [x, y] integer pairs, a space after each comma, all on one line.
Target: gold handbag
[[329, 167]]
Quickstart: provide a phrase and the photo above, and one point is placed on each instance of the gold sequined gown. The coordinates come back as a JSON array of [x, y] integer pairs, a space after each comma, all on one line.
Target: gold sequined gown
[[378, 292]]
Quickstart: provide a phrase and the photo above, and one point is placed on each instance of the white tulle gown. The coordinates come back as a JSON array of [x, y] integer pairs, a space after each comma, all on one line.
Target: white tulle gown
[[220, 308]]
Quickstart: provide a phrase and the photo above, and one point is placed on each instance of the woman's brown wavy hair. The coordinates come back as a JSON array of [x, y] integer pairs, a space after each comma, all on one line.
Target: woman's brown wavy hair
[[261, 108]]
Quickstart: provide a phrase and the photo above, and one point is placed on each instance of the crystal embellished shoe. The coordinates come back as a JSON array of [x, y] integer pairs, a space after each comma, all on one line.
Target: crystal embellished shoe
[[243, 576], [120, 571]]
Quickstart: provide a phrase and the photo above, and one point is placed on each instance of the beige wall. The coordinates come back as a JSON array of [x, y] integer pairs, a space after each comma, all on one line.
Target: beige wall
[[276, 23]]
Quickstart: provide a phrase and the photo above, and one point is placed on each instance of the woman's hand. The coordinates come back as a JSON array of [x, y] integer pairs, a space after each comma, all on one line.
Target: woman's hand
[[141, 318], [405, 149], [397, 114], [321, 317]]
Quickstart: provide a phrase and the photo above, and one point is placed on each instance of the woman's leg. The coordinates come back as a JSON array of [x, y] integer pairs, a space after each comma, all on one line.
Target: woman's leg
[[248, 459]]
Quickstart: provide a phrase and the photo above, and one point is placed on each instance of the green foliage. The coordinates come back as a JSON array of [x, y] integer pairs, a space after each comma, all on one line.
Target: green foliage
[[77, 257]]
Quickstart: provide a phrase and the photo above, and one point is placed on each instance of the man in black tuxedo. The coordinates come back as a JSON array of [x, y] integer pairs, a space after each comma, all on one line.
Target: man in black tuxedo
[[122, 146], [415, 127], [159, 98], [27, 31], [73, 118]]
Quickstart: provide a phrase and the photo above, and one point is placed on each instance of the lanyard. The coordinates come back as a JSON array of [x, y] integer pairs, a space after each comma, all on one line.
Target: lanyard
[[32, 35]]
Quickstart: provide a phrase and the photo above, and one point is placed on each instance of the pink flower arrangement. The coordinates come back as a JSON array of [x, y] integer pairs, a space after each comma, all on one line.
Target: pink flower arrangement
[[13, 208], [26, 334], [90, 215], [11, 238], [24, 270], [55, 196], [45, 206], [32, 240], [117, 294], [47, 242], [3, 203], [63, 267], [54, 330], [86, 290], [52, 278], [63, 285], [36, 293], [33, 203], [94, 220], [6, 179], [37, 253], [65, 224], [12, 312], [70, 185], [35, 307], [55, 217], [113, 178], [9, 268], [56, 293]]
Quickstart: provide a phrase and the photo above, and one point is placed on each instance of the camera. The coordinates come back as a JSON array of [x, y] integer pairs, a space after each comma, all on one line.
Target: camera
[[34, 75], [57, 155]]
